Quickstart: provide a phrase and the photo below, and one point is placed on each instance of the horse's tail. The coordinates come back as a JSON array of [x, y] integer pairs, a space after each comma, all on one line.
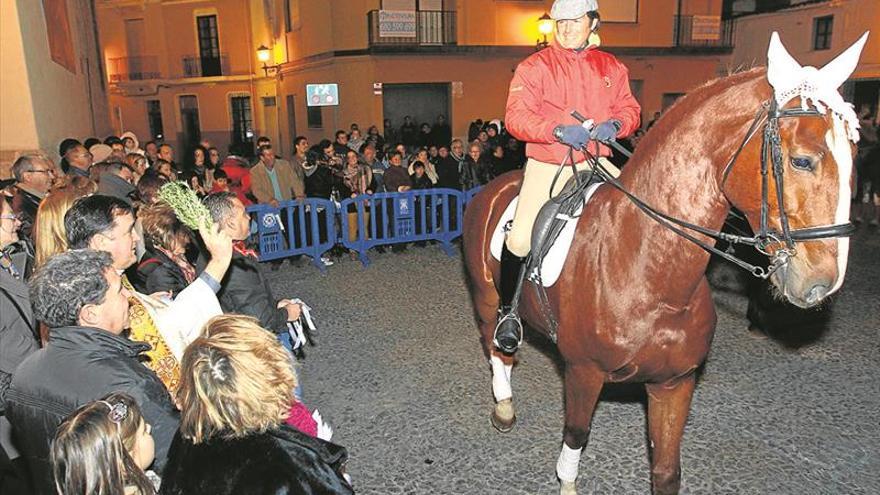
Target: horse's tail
[[480, 219]]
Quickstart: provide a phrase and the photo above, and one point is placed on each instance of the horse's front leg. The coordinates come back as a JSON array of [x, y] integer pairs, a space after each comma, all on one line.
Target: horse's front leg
[[503, 416], [582, 387], [668, 407]]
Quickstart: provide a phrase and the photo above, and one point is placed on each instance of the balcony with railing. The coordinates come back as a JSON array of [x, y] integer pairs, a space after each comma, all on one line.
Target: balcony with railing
[[140, 68], [412, 29], [199, 66], [703, 32]]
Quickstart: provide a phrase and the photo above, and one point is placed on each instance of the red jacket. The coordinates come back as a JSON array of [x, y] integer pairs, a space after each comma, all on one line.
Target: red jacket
[[551, 83], [239, 178]]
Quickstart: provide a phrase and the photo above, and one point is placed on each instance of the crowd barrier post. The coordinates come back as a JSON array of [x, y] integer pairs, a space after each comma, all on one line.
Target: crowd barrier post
[[296, 227]]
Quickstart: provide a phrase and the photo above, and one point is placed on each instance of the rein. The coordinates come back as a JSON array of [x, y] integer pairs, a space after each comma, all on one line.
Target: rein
[[771, 154]]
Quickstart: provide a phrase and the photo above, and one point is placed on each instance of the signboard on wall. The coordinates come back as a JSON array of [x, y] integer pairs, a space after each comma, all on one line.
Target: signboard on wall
[[397, 24], [706, 28], [322, 95]]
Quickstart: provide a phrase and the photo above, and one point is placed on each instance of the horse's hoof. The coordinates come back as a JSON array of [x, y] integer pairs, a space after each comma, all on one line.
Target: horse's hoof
[[567, 488], [503, 416]]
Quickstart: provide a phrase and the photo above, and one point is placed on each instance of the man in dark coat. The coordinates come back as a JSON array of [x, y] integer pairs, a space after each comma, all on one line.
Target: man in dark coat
[[80, 296], [441, 132], [409, 132], [33, 179], [244, 290]]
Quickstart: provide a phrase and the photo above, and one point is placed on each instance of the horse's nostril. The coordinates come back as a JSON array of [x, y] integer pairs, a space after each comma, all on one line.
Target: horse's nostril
[[816, 293]]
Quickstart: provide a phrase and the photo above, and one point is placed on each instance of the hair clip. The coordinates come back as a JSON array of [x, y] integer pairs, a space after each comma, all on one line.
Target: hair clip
[[118, 411]]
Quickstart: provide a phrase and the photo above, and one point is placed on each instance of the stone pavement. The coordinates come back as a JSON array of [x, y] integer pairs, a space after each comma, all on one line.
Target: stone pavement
[[400, 375]]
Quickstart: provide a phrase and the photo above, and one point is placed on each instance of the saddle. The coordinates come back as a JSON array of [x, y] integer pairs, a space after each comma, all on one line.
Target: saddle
[[555, 215], [553, 230]]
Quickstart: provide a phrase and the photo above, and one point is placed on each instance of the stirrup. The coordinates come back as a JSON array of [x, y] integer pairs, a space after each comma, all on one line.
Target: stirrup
[[511, 332]]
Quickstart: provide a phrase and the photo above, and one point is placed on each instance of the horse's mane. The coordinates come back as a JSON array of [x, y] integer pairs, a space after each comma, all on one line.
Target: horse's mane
[[727, 98]]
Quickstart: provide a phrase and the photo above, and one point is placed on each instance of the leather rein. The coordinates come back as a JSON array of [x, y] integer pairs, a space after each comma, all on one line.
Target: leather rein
[[779, 246]]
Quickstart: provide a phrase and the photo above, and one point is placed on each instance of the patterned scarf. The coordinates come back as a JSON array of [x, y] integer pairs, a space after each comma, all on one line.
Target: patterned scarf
[[143, 329]]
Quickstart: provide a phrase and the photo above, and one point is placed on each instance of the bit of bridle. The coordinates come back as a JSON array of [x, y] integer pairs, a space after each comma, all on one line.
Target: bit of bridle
[[779, 246]]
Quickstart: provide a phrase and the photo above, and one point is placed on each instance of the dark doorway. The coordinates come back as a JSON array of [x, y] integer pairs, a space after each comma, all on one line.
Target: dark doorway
[[866, 94], [191, 132], [422, 102]]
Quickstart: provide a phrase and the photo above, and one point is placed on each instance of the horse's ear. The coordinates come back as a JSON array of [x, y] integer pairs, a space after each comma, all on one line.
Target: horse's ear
[[782, 68], [836, 72]]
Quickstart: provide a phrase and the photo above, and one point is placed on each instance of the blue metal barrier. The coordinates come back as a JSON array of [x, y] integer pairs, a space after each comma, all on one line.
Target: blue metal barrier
[[310, 227], [393, 218], [294, 228]]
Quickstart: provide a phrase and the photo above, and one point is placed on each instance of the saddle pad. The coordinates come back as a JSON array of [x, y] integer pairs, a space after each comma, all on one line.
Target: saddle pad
[[555, 259]]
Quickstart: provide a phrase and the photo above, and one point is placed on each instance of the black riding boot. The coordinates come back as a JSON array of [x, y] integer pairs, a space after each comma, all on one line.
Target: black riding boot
[[508, 330]]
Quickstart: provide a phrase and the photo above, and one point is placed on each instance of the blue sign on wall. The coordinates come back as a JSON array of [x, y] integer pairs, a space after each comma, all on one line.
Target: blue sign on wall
[[322, 95]]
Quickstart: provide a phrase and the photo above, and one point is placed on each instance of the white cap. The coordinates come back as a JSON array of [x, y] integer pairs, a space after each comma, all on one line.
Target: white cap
[[572, 9]]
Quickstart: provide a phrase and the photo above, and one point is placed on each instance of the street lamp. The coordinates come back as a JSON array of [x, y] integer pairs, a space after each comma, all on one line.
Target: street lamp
[[263, 55], [545, 27]]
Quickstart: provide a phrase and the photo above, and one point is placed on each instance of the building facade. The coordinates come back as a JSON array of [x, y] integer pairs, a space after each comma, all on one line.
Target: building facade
[[815, 32], [189, 69], [52, 84]]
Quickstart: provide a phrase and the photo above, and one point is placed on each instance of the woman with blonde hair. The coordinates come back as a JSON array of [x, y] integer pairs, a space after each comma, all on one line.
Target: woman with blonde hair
[[50, 237], [235, 394], [104, 448]]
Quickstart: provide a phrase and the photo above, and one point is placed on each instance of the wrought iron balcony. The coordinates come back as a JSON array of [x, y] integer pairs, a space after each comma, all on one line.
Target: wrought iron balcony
[[418, 29], [199, 66], [139, 68], [695, 31]]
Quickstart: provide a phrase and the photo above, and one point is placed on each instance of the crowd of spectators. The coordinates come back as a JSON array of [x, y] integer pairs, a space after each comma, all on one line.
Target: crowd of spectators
[[138, 355], [134, 349]]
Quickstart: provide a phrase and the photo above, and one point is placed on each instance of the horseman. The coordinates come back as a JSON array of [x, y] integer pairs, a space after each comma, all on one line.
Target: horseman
[[572, 74]]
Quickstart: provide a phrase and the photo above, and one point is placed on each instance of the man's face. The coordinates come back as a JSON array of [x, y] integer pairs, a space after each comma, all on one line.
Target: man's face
[[475, 153], [342, 139], [483, 136], [369, 154], [166, 153], [120, 241], [111, 314], [420, 171], [118, 147], [151, 150], [394, 160], [127, 175], [40, 177], [238, 226], [79, 157], [268, 157], [573, 33], [303, 146], [443, 152]]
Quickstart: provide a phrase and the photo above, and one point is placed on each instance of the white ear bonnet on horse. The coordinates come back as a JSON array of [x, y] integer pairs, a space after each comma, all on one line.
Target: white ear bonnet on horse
[[817, 86]]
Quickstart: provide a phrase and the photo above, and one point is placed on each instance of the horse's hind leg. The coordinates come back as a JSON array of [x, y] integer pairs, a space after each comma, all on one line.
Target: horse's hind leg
[[582, 387], [668, 406]]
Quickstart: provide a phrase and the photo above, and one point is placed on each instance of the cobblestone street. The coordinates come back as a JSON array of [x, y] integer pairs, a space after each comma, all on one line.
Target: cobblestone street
[[399, 373]]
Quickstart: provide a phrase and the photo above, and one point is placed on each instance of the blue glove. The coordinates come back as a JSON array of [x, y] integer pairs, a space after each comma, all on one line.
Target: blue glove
[[574, 135], [606, 131]]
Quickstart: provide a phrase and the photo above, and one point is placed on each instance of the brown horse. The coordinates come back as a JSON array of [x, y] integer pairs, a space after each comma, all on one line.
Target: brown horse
[[633, 303]]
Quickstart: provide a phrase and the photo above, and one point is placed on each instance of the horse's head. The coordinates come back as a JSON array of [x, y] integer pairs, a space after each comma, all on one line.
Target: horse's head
[[816, 159]]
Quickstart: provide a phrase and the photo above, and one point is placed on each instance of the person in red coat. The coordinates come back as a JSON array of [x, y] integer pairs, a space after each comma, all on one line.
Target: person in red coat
[[570, 74], [239, 178]]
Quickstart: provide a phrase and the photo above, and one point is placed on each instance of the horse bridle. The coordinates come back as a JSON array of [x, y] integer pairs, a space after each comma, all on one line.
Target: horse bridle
[[779, 246]]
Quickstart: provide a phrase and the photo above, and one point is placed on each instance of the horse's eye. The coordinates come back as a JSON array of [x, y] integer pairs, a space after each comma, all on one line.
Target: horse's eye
[[802, 163]]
